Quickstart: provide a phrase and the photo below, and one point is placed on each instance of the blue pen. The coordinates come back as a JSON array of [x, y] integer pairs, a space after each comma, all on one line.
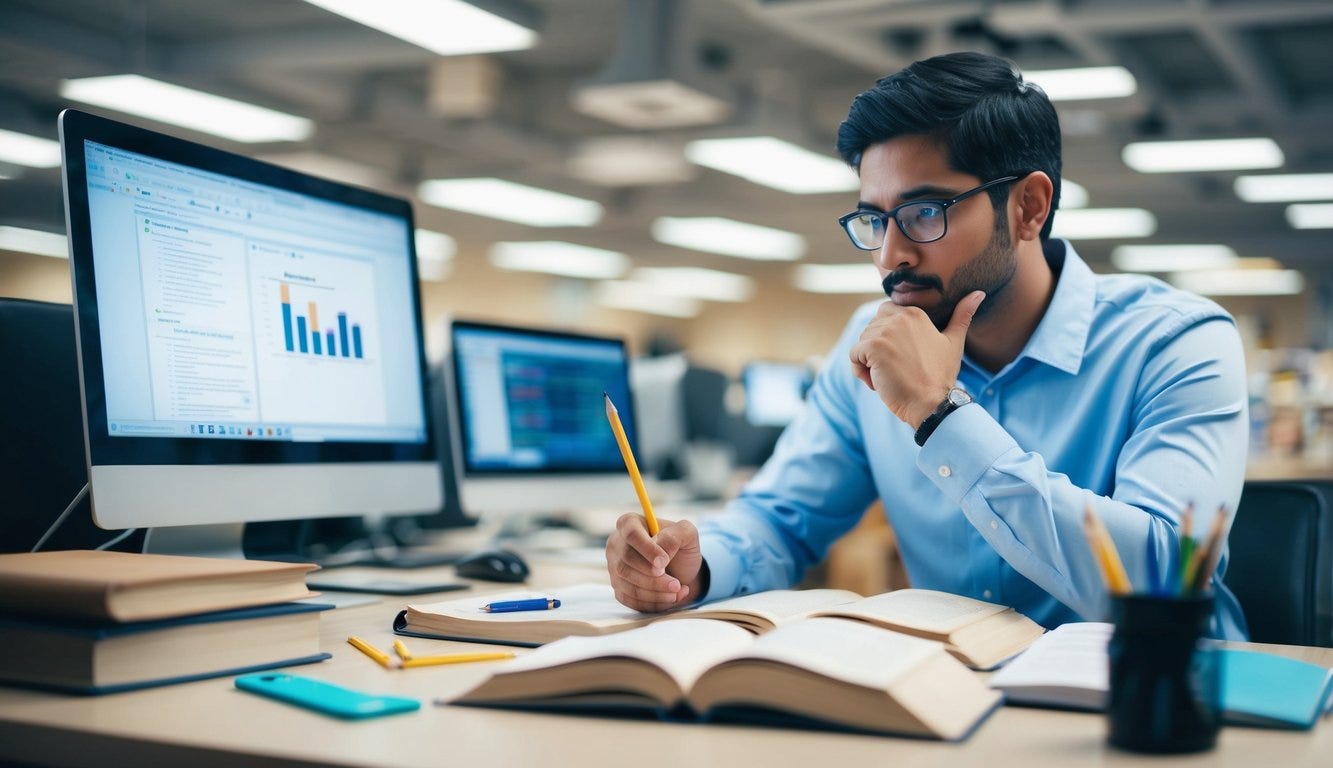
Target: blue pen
[[535, 604]]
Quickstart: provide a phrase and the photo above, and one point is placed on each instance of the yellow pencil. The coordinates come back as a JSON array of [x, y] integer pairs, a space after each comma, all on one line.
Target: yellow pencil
[[613, 416], [454, 658], [379, 656], [401, 650], [1103, 548]]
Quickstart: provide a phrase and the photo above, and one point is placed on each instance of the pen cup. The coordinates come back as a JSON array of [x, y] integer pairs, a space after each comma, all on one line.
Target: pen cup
[[1165, 675]]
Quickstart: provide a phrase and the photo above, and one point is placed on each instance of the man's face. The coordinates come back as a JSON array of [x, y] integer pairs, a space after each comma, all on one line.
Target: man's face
[[976, 253]]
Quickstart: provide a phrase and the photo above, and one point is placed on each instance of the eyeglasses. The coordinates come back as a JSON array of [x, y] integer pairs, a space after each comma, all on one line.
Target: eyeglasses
[[922, 221]]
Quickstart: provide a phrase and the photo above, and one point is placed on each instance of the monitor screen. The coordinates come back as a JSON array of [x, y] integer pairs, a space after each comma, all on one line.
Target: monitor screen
[[531, 421], [249, 337], [774, 392]]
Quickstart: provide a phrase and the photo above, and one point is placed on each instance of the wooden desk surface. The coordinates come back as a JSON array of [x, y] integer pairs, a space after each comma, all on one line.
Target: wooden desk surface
[[210, 723]]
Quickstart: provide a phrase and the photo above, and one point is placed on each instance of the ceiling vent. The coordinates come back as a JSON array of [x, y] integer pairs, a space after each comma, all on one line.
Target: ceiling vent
[[653, 79]]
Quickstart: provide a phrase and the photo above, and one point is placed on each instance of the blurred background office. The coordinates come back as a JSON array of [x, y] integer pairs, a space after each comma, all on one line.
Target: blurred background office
[[665, 170]]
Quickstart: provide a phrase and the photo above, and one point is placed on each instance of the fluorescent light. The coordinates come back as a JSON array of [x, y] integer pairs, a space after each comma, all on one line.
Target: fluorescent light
[[1285, 188], [32, 151], [629, 161], [188, 108], [838, 278], [329, 167], [446, 27], [505, 200], [729, 238], [1072, 195], [1102, 223], [1084, 83], [435, 254], [1241, 282], [33, 241], [641, 297], [1214, 155], [1310, 215], [774, 163], [696, 283], [557, 258], [1172, 258]]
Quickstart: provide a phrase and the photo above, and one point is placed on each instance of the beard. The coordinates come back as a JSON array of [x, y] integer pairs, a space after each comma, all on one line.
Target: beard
[[991, 271]]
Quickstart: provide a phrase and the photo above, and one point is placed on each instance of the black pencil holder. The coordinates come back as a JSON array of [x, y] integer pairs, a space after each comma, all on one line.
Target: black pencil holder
[[1165, 676]]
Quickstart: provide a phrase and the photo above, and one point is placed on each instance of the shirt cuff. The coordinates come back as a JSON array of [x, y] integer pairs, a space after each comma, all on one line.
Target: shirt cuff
[[724, 568], [962, 448]]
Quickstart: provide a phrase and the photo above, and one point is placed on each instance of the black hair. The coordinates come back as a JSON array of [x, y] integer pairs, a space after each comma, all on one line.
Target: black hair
[[992, 122]]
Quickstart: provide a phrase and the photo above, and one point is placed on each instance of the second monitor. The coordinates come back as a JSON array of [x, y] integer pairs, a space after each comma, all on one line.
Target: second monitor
[[531, 434]]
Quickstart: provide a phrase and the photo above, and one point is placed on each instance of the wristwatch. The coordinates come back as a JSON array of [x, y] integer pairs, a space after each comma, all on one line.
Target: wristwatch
[[957, 398]]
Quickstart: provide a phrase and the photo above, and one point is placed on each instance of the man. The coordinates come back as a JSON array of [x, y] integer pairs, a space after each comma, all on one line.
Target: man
[[1001, 390]]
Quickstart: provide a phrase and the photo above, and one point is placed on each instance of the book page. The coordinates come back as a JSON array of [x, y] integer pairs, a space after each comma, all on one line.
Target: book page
[[1065, 667], [773, 606], [683, 649], [918, 609], [593, 604], [844, 650]]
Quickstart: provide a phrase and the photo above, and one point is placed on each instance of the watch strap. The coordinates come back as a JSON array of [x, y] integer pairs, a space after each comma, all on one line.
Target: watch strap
[[933, 421]]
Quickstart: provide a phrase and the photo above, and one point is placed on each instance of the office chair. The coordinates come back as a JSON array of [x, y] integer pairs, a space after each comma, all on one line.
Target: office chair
[[1281, 565], [42, 461]]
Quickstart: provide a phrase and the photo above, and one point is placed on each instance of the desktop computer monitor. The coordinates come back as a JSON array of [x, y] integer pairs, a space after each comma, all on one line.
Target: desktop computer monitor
[[774, 392], [529, 421], [249, 337]]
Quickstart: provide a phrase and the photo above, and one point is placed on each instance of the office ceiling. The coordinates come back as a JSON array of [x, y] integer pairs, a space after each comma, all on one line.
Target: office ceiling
[[1206, 69]]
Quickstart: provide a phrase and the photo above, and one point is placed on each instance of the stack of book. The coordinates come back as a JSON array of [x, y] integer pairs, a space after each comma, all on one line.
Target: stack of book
[[89, 621]]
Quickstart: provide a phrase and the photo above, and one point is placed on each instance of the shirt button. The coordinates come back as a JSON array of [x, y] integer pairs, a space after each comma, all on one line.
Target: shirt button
[[990, 390], [945, 471], [994, 525], [986, 594]]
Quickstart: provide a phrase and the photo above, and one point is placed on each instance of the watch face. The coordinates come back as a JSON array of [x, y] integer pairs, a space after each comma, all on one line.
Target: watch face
[[959, 397]]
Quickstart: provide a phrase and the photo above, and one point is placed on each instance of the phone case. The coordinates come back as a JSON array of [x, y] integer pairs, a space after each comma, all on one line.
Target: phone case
[[324, 697]]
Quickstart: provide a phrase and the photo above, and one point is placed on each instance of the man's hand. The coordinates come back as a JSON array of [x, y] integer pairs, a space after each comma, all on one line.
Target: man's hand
[[650, 573], [909, 363]]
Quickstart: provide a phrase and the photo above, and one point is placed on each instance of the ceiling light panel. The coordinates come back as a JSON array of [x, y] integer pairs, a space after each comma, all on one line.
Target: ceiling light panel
[[188, 108], [505, 200], [1084, 83], [1241, 282], [729, 237], [774, 163], [839, 278], [1072, 194], [554, 257], [33, 241], [1172, 258], [31, 151], [696, 283], [1213, 155], [1310, 215], [1285, 187], [1103, 223], [435, 255], [445, 27]]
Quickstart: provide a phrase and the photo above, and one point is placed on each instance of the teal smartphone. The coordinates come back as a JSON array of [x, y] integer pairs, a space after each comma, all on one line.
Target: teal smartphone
[[323, 697]]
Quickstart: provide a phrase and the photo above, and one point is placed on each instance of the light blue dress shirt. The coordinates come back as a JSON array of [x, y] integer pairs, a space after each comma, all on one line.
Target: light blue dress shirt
[[1129, 396]]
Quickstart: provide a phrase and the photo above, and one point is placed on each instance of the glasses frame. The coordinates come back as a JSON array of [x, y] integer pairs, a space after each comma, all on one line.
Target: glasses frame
[[892, 213]]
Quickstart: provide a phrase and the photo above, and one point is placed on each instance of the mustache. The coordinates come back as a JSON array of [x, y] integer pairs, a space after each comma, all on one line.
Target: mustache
[[900, 276]]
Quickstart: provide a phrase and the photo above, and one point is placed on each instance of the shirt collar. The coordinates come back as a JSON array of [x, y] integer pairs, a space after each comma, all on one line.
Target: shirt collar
[[1062, 335]]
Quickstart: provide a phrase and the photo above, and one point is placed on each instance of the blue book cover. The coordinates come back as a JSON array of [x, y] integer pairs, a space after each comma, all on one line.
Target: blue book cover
[[1263, 689], [96, 657]]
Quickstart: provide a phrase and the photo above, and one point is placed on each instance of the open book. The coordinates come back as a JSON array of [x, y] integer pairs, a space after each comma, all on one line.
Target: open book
[[981, 634], [822, 672], [1068, 668]]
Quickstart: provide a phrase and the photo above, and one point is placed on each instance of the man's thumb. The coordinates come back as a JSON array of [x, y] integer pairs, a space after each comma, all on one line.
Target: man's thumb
[[962, 316]]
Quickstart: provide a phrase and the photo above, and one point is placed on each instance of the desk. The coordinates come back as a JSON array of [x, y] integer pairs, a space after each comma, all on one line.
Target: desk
[[210, 723]]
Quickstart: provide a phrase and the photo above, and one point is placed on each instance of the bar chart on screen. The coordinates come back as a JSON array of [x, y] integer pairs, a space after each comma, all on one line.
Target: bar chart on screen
[[316, 337]]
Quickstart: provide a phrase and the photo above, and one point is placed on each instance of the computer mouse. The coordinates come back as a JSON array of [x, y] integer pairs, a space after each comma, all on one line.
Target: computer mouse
[[492, 565]]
